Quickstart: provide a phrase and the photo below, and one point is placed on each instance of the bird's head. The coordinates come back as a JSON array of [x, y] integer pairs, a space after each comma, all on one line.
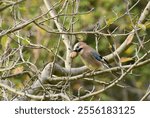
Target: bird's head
[[78, 47]]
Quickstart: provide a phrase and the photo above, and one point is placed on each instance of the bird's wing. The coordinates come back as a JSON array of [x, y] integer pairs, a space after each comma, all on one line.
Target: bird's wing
[[98, 57]]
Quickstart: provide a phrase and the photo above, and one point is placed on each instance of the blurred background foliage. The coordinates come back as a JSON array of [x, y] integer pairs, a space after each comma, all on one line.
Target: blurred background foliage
[[110, 14]]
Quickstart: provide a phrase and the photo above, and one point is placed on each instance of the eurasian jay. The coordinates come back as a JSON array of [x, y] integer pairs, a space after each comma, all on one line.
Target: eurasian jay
[[90, 57]]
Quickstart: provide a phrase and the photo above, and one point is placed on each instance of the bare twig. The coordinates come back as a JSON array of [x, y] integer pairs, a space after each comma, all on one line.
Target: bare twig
[[15, 75], [12, 4], [146, 94]]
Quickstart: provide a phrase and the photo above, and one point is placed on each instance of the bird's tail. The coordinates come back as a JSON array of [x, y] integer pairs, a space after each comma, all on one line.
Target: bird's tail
[[108, 66]]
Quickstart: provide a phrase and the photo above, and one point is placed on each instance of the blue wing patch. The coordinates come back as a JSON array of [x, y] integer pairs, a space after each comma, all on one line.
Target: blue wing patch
[[97, 56]]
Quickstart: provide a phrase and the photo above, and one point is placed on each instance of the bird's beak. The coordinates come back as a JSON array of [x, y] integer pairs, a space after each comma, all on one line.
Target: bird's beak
[[75, 50]]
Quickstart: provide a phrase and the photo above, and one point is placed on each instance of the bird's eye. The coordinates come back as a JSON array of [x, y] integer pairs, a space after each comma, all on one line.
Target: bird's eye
[[77, 47]]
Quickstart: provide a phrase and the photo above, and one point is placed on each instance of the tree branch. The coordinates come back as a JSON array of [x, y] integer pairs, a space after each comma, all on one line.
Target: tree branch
[[61, 29], [35, 97], [144, 13]]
